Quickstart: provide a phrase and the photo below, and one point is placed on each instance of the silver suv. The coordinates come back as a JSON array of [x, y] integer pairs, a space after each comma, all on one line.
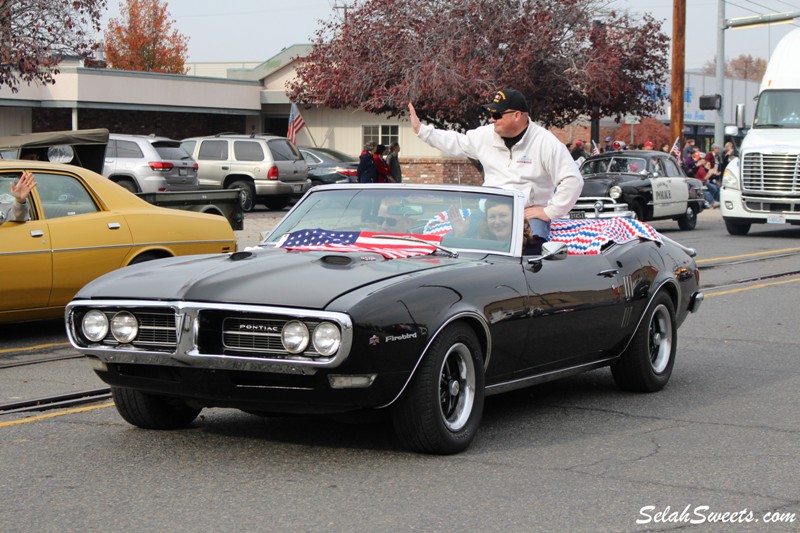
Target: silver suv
[[146, 163], [267, 169]]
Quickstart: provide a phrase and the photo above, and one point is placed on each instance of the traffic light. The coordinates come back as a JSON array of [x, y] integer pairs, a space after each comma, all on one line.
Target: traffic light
[[710, 101]]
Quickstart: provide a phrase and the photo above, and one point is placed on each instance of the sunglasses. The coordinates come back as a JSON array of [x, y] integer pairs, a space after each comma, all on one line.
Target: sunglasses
[[498, 116], [391, 222]]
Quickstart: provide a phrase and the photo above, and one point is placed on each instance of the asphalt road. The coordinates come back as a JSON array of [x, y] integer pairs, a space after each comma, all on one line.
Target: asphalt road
[[575, 455]]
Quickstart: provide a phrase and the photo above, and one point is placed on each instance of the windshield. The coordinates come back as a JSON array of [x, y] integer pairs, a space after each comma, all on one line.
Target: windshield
[[467, 221], [613, 164], [778, 109]]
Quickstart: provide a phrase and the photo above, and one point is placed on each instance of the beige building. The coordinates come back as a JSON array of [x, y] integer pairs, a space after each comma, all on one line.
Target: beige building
[[212, 98]]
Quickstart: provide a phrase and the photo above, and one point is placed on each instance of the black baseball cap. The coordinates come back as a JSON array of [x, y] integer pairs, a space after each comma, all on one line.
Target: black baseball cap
[[507, 100]]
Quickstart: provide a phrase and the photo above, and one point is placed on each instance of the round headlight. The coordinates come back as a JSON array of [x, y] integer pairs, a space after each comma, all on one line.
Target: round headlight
[[95, 325], [327, 338], [124, 327], [294, 336], [615, 192]]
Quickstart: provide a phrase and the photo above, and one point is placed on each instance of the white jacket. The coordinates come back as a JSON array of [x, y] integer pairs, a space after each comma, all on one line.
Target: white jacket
[[539, 165], [17, 212]]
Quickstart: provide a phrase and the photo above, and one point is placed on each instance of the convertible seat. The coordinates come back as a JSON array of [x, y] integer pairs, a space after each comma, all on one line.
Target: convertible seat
[[589, 236]]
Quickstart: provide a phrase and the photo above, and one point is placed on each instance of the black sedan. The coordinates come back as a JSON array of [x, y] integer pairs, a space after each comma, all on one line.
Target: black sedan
[[327, 166], [411, 300], [642, 184]]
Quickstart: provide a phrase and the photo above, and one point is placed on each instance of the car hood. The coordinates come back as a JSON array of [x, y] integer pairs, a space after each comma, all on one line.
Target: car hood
[[261, 276], [598, 184]]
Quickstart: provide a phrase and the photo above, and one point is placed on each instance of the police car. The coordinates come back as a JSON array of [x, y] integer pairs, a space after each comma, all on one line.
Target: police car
[[641, 184]]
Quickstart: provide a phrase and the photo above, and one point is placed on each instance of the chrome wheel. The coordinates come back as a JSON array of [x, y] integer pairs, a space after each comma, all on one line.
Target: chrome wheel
[[456, 387], [660, 339]]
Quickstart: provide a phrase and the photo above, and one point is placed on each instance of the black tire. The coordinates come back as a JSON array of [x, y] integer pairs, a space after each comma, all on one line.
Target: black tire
[[147, 256], [688, 221], [276, 204], [638, 211], [150, 411], [646, 365], [128, 185], [441, 409], [737, 228], [247, 194]]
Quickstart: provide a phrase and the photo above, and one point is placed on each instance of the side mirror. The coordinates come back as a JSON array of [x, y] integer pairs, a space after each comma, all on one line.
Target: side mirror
[[740, 116], [551, 251]]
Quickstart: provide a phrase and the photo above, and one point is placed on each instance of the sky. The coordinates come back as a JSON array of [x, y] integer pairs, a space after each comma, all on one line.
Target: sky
[[256, 30]]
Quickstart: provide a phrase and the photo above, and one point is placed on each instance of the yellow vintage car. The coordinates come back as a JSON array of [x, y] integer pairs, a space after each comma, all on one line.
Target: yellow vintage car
[[83, 225]]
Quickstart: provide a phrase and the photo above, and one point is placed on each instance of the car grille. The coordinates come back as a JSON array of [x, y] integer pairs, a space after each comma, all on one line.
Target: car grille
[[156, 329], [771, 173], [246, 334], [257, 335]]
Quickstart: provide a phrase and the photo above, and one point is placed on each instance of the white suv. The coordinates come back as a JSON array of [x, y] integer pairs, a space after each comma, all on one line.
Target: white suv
[[146, 163], [267, 169]]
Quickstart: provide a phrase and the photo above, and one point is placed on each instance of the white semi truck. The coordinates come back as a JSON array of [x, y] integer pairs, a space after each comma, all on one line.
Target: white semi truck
[[762, 186]]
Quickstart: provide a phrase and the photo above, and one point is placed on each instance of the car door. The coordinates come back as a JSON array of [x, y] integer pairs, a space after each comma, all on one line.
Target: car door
[[26, 267], [214, 164], [574, 309], [670, 190], [85, 240]]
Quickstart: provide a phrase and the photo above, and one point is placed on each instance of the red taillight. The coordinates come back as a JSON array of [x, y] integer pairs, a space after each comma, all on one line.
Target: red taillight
[[273, 173], [347, 172], [161, 166]]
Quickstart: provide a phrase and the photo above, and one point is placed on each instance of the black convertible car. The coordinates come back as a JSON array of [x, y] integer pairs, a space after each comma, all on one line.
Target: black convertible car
[[416, 301], [642, 184]]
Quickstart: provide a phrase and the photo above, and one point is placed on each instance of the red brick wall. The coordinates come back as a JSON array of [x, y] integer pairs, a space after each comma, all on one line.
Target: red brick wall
[[440, 170]]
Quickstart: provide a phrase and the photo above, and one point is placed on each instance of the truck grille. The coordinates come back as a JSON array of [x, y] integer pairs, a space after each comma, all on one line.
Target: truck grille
[[771, 173]]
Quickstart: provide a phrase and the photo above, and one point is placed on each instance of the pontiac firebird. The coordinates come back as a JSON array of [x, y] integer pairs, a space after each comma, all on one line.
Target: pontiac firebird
[[373, 297]]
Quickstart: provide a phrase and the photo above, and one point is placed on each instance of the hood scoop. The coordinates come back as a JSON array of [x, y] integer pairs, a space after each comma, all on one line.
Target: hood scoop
[[240, 256], [337, 260]]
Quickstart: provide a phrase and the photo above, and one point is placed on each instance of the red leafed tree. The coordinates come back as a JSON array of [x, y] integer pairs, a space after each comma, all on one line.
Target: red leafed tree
[[36, 34], [449, 57], [143, 39]]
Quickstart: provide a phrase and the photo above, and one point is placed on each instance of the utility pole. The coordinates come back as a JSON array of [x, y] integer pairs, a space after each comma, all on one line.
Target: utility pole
[[343, 7], [719, 122], [678, 67]]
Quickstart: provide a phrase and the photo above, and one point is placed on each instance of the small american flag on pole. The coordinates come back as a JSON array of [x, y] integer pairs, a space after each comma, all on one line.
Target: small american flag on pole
[[595, 149], [296, 123], [676, 149], [390, 246]]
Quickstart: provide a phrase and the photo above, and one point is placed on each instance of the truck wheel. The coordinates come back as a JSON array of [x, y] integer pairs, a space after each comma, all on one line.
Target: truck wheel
[[646, 365], [247, 194], [737, 228], [441, 408], [689, 220], [128, 185], [276, 204], [149, 411]]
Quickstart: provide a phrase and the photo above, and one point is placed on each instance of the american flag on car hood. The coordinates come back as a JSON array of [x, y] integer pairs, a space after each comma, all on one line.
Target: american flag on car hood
[[386, 244], [590, 235]]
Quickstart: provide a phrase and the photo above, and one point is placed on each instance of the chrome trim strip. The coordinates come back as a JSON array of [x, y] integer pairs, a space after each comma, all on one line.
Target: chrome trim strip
[[520, 383]]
